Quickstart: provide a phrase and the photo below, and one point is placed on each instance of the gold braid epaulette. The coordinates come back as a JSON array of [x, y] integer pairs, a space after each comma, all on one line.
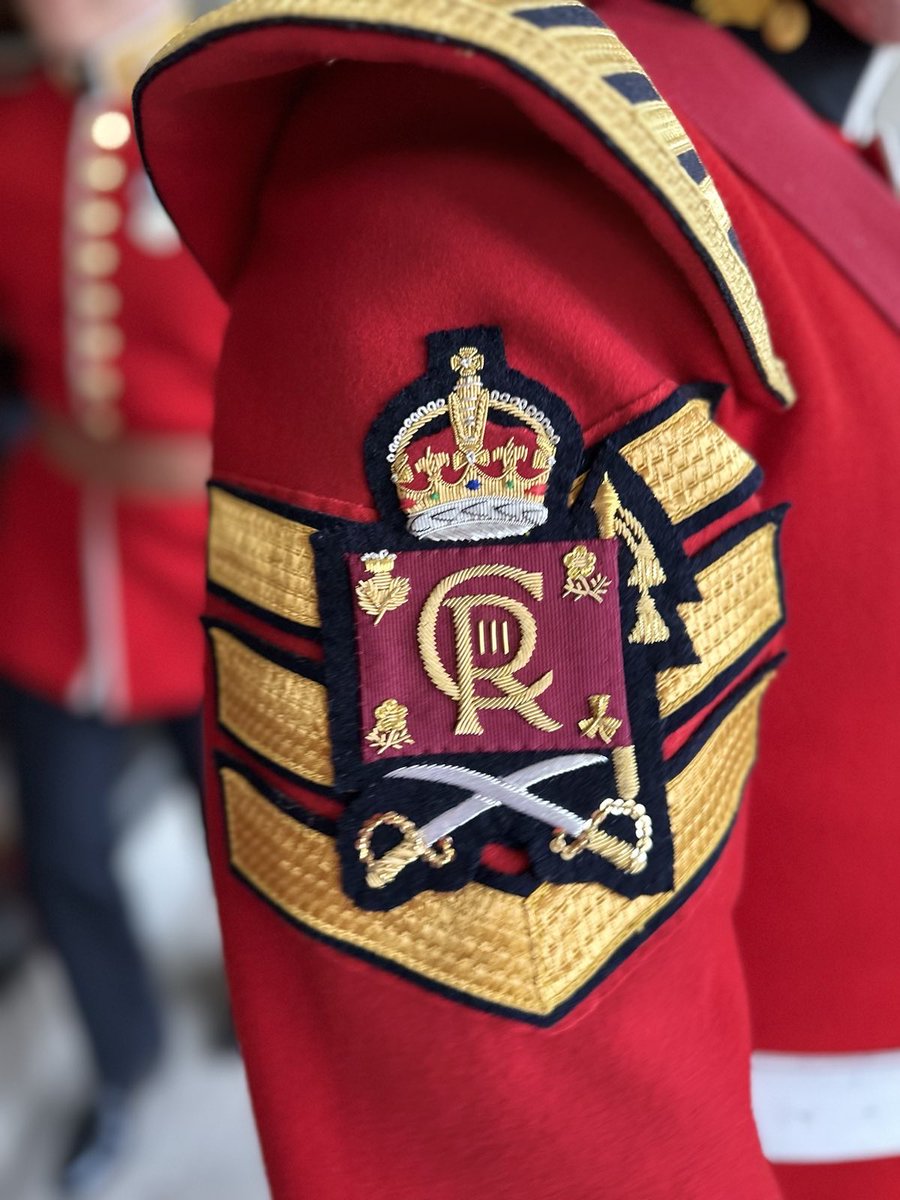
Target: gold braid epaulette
[[577, 60]]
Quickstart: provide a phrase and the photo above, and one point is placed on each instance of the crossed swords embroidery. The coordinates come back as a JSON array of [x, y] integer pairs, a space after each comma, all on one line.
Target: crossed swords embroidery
[[433, 842]]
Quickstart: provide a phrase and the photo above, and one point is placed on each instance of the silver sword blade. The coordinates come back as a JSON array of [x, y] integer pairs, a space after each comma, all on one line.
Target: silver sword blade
[[489, 792]]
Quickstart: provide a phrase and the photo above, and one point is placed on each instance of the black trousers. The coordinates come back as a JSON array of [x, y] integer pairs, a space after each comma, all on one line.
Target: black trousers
[[67, 766]]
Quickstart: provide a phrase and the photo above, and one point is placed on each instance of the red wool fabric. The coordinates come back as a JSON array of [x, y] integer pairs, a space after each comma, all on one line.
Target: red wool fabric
[[363, 228], [875, 1180], [443, 207], [834, 458], [819, 917]]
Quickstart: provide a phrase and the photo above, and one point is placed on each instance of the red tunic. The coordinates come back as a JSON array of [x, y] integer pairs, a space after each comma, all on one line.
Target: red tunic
[[391, 1052], [819, 919], [115, 329]]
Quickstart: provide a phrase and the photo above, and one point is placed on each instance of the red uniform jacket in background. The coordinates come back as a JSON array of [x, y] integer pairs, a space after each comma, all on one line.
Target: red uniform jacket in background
[[369, 174], [117, 331]]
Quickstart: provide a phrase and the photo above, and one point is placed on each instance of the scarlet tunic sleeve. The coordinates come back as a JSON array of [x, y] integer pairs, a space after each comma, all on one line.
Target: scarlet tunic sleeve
[[493, 609]]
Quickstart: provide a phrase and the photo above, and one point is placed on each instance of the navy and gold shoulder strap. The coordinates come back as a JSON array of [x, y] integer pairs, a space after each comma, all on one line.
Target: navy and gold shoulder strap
[[560, 62]]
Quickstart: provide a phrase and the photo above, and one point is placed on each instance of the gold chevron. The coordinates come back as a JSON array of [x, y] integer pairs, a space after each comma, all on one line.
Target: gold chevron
[[741, 601], [279, 714], [262, 557], [530, 954], [688, 461]]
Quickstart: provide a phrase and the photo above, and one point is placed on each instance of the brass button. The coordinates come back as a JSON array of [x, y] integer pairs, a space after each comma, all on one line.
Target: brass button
[[786, 27], [102, 424], [98, 217], [104, 172], [111, 130], [96, 300], [98, 341], [745, 14], [99, 383], [96, 258]]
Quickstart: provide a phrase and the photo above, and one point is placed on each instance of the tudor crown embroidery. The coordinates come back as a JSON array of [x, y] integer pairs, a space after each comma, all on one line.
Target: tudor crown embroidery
[[486, 639], [478, 478]]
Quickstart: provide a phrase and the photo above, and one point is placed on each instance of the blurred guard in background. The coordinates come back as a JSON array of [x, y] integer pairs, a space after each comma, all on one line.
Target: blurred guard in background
[[102, 510], [841, 57], [478, 894]]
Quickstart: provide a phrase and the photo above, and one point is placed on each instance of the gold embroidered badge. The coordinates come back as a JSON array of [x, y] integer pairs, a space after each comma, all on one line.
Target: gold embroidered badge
[[490, 735]]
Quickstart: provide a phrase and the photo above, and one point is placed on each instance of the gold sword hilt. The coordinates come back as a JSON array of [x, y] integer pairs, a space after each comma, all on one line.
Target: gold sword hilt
[[630, 857], [411, 848]]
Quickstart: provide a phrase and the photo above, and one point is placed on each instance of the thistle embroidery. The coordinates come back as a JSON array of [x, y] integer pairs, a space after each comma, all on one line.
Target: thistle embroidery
[[580, 564], [390, 732], [598, 724], [382, 593]]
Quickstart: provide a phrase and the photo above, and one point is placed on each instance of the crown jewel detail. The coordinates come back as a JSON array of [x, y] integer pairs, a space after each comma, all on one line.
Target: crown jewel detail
[[479, 478]]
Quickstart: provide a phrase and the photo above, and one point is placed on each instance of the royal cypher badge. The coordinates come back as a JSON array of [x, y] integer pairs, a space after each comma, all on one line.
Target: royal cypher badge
[[491, 650], [475, 792]]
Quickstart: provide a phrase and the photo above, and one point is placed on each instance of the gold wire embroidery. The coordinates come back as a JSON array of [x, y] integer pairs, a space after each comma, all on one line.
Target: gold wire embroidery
[[606, 507], [575, 68], [514, 694], [382, 593], [598, 724], [741, 601], [688, 461], [530, 953], [647, 571], [487, 632], [389, 731], [468, 407], [280, 715], [627, 856], [262, 557], [575, 489], [411, 847], [580, 563], [626, 772]]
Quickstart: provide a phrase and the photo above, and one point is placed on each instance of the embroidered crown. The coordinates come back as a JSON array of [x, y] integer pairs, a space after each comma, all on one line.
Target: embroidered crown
[[482, 476]]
